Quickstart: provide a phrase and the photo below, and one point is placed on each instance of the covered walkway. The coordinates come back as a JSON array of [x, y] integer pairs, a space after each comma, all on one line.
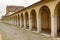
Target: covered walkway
[[41, 17]]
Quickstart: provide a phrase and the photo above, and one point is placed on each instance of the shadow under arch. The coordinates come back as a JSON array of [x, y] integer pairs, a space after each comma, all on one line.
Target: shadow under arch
[[18, 20], [22, 20], [45, 16], [33, 19], [27, 20]]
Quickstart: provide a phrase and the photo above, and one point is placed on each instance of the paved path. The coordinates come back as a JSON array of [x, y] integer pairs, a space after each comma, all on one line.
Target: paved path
[[10, 32]]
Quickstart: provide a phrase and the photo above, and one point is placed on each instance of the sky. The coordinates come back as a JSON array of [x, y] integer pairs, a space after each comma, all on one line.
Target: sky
[[4, 3]]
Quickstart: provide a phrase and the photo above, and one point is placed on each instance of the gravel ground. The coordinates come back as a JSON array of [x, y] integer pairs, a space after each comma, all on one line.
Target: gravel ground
[[10, 32]]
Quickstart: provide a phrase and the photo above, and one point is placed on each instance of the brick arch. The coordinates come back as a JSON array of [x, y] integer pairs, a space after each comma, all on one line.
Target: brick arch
[[34, 19], [45, 16]]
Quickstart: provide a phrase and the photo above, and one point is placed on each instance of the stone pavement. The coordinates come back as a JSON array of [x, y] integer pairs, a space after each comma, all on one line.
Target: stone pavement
[[10, 32]]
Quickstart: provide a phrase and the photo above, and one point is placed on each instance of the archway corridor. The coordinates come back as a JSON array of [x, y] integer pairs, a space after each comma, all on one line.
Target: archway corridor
[[44, 17]]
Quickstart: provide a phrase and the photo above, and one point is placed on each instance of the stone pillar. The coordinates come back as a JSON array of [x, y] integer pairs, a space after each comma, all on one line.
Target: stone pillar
[[14, 20], [53, 26], [20, 21], [30, 22], [17, 21], [24, 21], [38, 23]]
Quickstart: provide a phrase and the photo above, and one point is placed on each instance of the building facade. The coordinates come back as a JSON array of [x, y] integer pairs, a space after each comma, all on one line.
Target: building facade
[[12, 9], [41, 17]]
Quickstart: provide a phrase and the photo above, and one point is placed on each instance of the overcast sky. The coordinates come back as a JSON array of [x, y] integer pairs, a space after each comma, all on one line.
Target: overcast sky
[[4, 3]]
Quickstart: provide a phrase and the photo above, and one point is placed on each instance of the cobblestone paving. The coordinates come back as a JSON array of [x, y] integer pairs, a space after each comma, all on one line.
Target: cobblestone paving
[[10, 32]]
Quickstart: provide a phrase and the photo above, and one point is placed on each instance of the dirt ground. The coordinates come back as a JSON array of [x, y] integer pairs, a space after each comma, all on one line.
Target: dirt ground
[[10, 32]]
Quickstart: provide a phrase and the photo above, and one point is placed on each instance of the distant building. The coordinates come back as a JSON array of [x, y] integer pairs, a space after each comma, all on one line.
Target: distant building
[[12, 9]]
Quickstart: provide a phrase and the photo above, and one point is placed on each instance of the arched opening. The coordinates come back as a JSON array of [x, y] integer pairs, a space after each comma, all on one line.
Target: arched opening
[[27, 20], [57, 13], [22, 19], [34, 20], [44, 12]]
